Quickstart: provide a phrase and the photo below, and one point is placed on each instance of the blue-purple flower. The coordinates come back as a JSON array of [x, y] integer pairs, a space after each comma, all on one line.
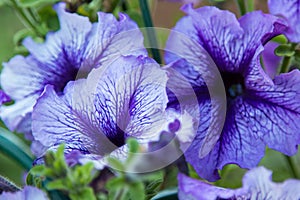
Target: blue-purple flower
[[27, 193], [257, 184], [290, 11], [95, 116], [259, 111], [67, 54]]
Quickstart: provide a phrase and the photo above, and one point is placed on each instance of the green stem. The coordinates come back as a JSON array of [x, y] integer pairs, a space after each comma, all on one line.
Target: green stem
[[250, 5], [12, 146], [285, 66], [150, 31], [242, 6], [27, 21], [292, 167], [34, 15]]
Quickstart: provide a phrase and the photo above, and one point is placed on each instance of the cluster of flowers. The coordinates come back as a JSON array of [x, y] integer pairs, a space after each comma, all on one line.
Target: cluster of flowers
[[92, 86]]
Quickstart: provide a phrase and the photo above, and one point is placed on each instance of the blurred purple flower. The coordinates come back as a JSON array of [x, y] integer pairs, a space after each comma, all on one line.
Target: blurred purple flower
[[257, 184], [27, 193], [289, 10], [95, 116], [3, 97], [66, 54], [259, 111]]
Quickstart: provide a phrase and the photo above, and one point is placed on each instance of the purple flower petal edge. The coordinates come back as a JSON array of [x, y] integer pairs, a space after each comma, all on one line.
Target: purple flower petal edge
[[257, 184]]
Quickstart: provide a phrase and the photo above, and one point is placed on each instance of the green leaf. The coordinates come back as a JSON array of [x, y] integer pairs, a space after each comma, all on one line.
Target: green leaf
[[133, 145], [85, 194], [115, 182], [137, 191], [116, 164], [15, 148], [281, 39], [285, 50], [33, 3], [58, 184], [38, 170]]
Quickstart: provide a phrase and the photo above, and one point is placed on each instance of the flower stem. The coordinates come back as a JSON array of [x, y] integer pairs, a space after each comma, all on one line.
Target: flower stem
[[242, 6], [150, 31], [291, 164], [26, 19], [285, 66], [12, 146]]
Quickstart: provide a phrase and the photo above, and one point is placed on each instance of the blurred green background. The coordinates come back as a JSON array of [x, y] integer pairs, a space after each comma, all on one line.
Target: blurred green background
[[10, 24]]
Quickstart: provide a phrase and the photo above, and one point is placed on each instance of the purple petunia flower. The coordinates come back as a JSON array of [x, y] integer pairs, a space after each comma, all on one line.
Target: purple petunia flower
[[257, 184], [28, 193], [95, 116], [289, 10], [3, 97], [65, 55], [259, 111]]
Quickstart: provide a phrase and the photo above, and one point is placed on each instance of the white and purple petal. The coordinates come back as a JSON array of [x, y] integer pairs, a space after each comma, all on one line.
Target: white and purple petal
[[230, 42], [66, 55], [290, 11], [126, 98], [257, 184]]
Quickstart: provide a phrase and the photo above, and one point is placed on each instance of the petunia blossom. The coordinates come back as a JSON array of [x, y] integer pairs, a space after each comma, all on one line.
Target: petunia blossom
[[259, 111], [257, 184], [28, 192], [290, 11], [95, 116], [66, 54]]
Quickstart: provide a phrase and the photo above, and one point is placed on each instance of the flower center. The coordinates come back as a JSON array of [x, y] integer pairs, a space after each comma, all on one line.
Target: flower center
[[234, 84]]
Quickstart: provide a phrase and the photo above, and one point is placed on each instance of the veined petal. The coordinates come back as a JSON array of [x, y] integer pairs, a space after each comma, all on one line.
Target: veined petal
[[250, 126], [17, 117], [257, 184], [231, 43], [112, 39], [70, 53], [290, 11], [63, 49], [125, 98]]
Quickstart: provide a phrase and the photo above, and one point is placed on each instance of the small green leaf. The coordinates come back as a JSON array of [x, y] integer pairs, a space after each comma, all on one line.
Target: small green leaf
[[58, 184], [281, 39], [33, 3], [38, 170], [115, 182], [85, 194], [133, 145], [116, 164], [137, 191], [285, 50]]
